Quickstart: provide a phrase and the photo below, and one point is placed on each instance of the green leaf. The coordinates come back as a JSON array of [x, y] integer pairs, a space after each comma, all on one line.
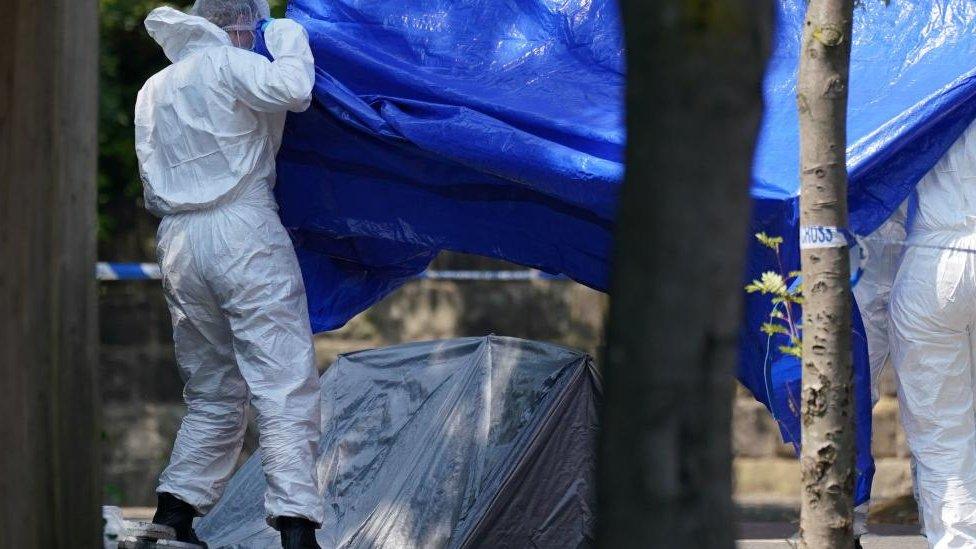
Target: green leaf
[[771, 242], [769, 283], [791, 350], [772, 328], [795, 274]]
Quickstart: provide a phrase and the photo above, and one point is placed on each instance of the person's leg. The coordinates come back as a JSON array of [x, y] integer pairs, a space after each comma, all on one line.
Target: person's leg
[[931, 314], [211, 435], [263, 296]]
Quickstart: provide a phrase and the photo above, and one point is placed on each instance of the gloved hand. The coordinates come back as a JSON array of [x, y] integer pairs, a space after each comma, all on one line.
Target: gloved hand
[[260, 46], [262, 24]]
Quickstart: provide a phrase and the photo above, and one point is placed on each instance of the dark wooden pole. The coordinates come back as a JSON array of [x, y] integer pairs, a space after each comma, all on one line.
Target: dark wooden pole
[[827, 404], [694, 103], [50, 484]]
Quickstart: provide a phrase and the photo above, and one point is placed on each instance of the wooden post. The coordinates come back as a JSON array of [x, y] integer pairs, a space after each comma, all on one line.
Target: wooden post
[[693, 108], [827, 404], [49, 436]]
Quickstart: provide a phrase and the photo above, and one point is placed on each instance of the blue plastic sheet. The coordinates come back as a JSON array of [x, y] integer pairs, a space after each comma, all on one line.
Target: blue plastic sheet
[[912, 93], [496, 128], [480, 126]]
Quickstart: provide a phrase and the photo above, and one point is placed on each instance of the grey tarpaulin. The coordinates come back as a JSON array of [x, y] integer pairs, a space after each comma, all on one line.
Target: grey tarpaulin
[[477, 442]]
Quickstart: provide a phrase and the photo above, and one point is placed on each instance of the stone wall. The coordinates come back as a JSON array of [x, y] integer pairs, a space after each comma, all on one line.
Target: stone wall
[[142, 389], [765, 466]]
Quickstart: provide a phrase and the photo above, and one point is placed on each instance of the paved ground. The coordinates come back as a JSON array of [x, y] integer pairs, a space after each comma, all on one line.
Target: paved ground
[[775, 535], [868, 542], [767, 528], [769, 522]]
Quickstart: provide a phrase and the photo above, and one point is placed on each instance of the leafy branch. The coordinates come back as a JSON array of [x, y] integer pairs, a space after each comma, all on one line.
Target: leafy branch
[[785, 294]]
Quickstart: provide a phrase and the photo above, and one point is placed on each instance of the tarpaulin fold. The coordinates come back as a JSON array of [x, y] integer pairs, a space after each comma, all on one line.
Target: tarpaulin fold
[[493, 128]]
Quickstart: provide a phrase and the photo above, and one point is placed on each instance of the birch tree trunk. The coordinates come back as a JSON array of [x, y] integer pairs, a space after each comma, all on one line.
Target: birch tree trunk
[[693, 107], [827, 457]]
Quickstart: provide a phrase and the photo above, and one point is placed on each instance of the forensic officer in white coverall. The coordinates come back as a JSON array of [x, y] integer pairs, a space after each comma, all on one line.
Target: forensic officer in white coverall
[[208, 128], [932, 317]]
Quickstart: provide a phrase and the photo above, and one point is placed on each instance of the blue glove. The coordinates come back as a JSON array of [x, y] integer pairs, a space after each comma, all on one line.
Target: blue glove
[[263, 24], [259, 46]]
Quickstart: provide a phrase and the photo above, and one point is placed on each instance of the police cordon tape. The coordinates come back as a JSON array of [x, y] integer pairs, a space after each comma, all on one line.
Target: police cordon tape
[[128, 271], [150, 271]]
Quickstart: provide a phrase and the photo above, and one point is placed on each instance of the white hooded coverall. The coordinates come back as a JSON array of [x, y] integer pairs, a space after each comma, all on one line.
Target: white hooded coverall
[[932, 316], [208, 128]]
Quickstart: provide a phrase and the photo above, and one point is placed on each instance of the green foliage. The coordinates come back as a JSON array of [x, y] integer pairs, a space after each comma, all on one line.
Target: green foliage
[[771, 242], [769, 283], [772, 328], [128, 58], [783, 299], [794, 349]]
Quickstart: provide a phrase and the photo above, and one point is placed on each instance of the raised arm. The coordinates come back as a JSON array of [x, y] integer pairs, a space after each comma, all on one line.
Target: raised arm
[[284, 84]]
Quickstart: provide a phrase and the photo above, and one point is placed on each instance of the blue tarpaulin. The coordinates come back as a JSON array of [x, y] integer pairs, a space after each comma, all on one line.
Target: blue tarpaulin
[[911, 95], [481, 126], [496, 128]]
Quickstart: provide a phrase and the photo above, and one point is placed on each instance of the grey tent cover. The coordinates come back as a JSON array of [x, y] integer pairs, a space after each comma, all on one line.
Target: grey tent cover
[[478, 442]]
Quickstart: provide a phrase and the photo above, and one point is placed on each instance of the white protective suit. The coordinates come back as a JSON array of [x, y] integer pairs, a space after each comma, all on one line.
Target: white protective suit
[[208, 128], [882, 252], [932, 316]]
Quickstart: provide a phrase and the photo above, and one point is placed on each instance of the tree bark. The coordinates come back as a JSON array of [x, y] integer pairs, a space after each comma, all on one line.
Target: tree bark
[[693, 107], [827, 457], [49, 459]]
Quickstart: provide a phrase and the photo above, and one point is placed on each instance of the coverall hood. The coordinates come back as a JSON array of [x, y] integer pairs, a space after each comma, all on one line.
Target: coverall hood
[[209, 125], [182, 35]]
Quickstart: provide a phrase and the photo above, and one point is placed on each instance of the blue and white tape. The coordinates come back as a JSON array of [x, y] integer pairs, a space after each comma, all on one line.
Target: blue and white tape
[[500, 276], [150, 271], [818, 236], [128, 271]]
